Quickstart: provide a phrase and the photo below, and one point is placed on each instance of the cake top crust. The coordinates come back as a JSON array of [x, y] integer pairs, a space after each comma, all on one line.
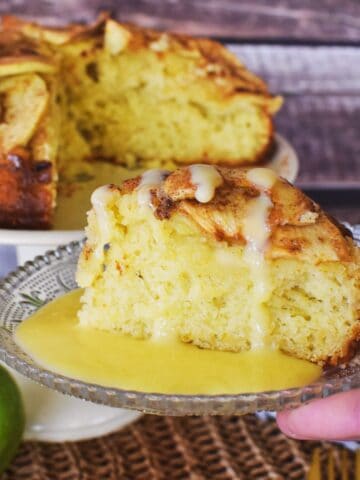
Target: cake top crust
[[296, 226], [22, 41]]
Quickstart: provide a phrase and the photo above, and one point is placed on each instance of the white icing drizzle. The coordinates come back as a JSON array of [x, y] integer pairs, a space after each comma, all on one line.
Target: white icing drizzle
[[100, 199], [149, 180], [206, 179], [256, 231], [264, 178], [255, 226]]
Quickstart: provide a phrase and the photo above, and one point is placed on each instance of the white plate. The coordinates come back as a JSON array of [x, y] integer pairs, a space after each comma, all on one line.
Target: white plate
[[54, 417], [284, 161]]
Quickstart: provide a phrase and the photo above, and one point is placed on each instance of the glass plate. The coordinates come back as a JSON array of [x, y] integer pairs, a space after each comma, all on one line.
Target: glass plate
[[51, 275]]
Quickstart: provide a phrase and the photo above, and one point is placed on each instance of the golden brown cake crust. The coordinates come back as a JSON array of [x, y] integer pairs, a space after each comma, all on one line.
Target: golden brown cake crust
[[299, 228], [216, 60], [14, 46], [19, 38], [26, 191], [25, 195]]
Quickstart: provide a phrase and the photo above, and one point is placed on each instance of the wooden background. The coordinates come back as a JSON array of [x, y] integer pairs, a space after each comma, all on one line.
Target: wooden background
[[334, 21]]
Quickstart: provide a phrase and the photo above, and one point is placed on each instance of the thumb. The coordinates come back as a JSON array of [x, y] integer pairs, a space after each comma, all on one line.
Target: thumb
[[333, 418]]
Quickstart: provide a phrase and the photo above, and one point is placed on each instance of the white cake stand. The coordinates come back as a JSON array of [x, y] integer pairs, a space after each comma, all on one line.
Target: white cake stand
[[54, 417]]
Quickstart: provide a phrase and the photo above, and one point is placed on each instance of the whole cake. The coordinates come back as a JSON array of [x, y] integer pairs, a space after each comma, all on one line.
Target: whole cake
[[121, 94], [230, 259]]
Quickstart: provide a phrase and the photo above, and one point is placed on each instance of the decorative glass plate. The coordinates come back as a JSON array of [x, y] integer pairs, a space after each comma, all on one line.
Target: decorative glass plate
[[51, 275]]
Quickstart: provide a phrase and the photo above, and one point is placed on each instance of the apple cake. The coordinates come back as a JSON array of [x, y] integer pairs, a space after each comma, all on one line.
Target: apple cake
[[117, 93]]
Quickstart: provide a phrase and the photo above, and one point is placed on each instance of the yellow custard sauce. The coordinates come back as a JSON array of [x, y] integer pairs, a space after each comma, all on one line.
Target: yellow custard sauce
[[54, 339], [74, 196]]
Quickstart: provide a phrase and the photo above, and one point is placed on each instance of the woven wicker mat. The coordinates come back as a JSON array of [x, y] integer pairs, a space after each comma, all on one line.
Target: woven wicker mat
[[169, 448]]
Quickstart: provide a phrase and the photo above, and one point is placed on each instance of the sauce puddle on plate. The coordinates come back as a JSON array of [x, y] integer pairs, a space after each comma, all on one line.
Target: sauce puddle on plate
[[55, 340]]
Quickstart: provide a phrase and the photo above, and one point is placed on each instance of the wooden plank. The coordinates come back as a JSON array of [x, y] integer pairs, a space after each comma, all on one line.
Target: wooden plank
[[321, 114], [324, 130], [297, 20], [295, 70]]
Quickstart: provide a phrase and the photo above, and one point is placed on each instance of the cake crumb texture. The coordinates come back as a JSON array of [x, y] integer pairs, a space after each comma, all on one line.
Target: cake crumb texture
[[185, 273]]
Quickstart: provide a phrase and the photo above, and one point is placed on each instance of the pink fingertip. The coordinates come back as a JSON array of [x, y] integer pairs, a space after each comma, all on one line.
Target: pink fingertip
[[333, 418]]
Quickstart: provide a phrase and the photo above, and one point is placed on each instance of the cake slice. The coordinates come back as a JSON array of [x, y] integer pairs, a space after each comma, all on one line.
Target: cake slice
[[229, 259], [122, 94]]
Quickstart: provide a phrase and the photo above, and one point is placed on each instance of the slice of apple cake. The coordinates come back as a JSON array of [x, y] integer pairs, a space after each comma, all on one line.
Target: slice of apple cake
[[229, 259]]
